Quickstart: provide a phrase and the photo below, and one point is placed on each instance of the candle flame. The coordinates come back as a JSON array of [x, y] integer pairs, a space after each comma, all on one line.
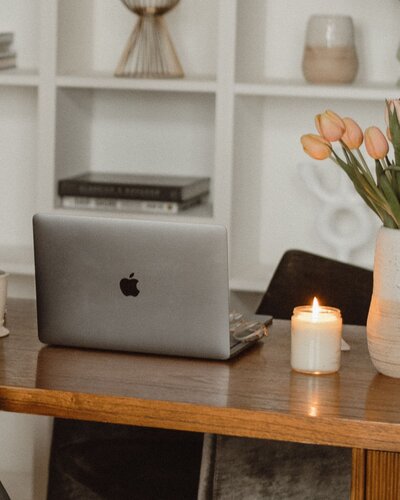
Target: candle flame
[[315, 309]]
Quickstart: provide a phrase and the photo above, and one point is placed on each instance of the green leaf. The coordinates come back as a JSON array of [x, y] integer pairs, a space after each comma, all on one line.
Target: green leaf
[[394, 127], [388, 192]]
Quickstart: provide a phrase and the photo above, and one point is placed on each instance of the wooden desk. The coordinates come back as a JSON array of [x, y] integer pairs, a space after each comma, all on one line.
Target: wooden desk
[[255, 395]]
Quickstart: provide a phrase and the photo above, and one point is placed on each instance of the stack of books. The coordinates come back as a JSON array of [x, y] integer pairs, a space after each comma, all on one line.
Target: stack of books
[[159, 194], [8, 57]]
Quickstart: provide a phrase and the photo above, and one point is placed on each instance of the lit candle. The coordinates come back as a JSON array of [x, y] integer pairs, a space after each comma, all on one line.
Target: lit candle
[[316, 338]]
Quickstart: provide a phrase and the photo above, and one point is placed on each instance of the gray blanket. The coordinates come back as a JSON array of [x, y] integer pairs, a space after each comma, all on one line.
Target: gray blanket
[[251, 469]]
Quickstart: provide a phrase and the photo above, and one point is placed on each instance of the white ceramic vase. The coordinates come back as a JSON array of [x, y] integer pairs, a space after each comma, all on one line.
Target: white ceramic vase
[[383, 324]]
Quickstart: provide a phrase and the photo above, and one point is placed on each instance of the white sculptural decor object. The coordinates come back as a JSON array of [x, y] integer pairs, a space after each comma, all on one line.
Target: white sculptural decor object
[[336, 203], [149, 52]]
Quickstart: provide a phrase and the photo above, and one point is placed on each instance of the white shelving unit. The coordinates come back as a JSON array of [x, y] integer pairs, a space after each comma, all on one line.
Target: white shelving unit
[[236, 116]]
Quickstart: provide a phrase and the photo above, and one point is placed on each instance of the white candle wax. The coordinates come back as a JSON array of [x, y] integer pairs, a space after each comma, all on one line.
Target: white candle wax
[[316, 339]]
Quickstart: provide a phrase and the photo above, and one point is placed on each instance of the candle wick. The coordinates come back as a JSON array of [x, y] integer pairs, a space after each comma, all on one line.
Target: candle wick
[[315, 310]]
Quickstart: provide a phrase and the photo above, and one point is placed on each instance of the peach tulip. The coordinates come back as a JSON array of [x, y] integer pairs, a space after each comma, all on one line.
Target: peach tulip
[[376, 144], [394, 105], [316, 146], [330, 126], [353, 137]]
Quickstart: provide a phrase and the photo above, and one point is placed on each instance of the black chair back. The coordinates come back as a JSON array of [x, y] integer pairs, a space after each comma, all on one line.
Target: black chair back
[[300, 276]]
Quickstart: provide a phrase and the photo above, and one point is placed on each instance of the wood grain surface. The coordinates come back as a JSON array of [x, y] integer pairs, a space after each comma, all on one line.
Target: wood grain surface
[[255, 395], [358, 474], [382, 475]]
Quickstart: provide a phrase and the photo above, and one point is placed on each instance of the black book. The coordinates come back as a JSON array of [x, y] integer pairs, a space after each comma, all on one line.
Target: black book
[[6, 38], [134, 186]]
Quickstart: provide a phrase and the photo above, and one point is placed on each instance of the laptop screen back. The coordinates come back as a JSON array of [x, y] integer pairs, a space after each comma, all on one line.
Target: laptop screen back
[[142, 286]]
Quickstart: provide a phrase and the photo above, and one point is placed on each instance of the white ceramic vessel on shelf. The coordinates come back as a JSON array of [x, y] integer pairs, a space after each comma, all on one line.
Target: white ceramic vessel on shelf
[[329, 53], [383, 324]]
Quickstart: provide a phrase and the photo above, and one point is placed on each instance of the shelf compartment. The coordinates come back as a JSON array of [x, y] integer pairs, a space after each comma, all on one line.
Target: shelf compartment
[[273, 208], [22, 18], [107, 131], [93, 34], [271, 35], [302, 89], [104, 80]]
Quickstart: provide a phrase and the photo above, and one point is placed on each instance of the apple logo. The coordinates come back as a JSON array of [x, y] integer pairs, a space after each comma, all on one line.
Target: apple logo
[[129, 286]]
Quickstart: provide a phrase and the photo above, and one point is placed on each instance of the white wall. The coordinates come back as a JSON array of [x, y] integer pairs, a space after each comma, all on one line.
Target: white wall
[[25, 447]]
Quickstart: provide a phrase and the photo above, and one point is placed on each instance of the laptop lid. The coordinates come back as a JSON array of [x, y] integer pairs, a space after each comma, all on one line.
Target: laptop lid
[[131, 285]]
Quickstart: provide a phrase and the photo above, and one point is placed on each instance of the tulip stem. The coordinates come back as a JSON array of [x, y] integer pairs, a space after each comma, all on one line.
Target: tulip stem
[[361, 167], [370, 193], [360, 155]]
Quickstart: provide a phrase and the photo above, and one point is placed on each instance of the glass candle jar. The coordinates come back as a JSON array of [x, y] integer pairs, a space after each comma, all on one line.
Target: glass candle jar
[[316, 339], [329, 54]]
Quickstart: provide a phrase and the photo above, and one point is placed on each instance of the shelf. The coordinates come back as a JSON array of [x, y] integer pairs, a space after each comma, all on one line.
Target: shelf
[[299, 88], [92, 34], [103, 80], [17, 77], [109, 131]]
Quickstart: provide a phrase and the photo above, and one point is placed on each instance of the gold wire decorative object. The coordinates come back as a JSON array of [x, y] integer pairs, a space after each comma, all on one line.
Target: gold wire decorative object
[[149, 52]]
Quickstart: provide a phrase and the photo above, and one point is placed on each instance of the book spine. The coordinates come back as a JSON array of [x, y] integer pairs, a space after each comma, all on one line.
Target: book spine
[[8, 62], [138, 206], [6, 38], [6, 48], [7, 54], [128, 192]]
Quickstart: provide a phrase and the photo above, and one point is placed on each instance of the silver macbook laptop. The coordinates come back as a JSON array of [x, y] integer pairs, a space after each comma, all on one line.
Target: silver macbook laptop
[[139, 286]]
